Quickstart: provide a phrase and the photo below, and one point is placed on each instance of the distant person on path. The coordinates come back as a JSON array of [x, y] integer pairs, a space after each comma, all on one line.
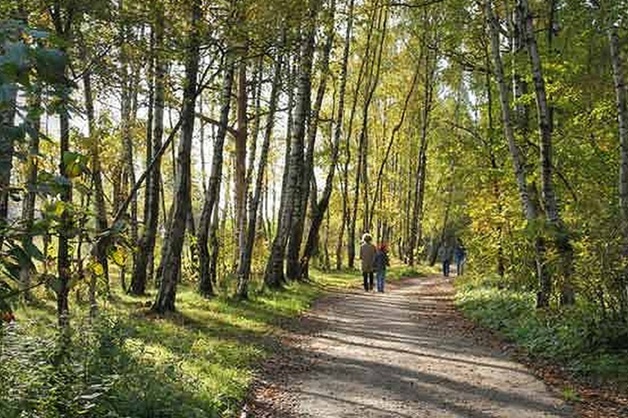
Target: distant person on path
[[367, 255], [380, 263], [460, 256], [446, 251]]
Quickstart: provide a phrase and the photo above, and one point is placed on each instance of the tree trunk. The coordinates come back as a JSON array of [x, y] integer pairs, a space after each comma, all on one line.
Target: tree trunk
[[173, 244], [497, 193], [62, 26], [240, 155], [28, 205], [246, 253], [213, 190], [350, 220], [308, 171], [144, 261], [298, 168], [255, 129], [99, 250], [323, 204], [273, 274], [529, 208], [66, 224], [622, 117], [415, 229], [550, 204], [7, 116]]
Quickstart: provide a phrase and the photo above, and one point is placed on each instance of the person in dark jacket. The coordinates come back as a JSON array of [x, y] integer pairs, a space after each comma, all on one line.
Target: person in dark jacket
[[460, 255], [446, 254], [380, 263]]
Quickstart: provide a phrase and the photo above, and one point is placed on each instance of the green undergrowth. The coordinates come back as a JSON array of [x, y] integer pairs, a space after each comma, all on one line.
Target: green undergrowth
[[579, 339], [198, 362]]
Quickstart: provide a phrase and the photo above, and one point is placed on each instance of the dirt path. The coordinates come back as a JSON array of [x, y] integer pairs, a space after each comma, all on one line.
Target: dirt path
[[405, 353]]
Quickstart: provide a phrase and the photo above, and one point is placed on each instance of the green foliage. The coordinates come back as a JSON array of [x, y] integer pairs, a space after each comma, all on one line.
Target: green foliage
[[580, 338], [93, 372], [195, 363], [29, 61]]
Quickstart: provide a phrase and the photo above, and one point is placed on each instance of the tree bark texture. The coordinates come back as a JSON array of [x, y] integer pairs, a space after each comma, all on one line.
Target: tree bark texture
[[173, 244], [297, 165], [548, 192], [246, 253], [518, 161], [213, 190]]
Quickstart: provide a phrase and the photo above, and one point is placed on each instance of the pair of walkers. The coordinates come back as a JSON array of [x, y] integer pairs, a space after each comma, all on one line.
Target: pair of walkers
[[374, 262]]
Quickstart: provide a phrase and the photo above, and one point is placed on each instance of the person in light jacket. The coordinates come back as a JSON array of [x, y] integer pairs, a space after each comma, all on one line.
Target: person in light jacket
[[367, 255]]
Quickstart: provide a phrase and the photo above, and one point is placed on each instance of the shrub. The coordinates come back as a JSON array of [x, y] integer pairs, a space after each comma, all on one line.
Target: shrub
[[92, 371], [579, 337]]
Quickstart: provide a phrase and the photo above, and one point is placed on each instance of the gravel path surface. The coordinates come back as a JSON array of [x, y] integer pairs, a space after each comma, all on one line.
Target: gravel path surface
[[404, 353]]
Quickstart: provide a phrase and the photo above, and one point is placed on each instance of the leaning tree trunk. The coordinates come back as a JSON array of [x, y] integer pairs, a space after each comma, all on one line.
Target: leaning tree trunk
[[291, 198], [173, 244], [323, 204], [212, 196], [144, 260], [548, 193], [308, 172], [246, 253], [297, 165]]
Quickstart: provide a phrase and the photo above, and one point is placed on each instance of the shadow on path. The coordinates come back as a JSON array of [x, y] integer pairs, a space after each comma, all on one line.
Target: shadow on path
[[405, 353]]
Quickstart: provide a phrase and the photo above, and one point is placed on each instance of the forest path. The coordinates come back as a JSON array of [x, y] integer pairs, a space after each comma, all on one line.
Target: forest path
[[404, 353]]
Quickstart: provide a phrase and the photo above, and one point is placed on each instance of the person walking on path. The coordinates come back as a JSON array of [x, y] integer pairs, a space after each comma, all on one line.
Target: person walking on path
[[460, 256], [367, 255], [380, 263], [446, 252]]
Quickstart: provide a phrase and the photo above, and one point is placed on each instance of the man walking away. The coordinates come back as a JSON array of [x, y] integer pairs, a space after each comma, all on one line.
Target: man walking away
[[367, 255]]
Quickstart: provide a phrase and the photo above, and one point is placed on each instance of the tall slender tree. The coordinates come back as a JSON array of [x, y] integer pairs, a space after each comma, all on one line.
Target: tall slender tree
[[173, 243], [213, 190], [144, 259], [246, 254]]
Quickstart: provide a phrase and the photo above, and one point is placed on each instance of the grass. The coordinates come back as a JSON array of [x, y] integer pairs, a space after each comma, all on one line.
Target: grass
[[577, 338], [198, 362]]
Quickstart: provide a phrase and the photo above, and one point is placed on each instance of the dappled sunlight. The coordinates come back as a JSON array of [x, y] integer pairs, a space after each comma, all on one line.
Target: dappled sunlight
[[387, 356]]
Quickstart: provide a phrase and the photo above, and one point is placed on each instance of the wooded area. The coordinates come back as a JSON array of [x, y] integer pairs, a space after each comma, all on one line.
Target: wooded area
[[233, 146]]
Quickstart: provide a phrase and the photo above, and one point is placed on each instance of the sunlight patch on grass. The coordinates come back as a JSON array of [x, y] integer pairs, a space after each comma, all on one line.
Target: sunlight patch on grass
[[198, 361]]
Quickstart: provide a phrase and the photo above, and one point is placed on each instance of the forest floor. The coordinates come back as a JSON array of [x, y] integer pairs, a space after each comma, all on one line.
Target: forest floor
[[405, 353]]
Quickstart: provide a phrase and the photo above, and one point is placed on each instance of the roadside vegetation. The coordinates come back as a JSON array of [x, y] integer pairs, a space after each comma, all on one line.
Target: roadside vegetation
[[589, 344]]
